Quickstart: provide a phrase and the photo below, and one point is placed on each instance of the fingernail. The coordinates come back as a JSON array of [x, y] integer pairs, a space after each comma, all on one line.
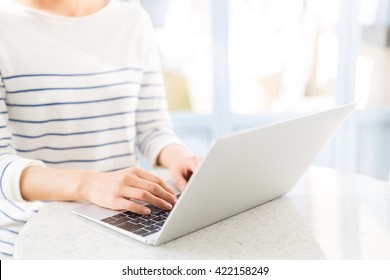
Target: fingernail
[[167, 206], [146, 211]]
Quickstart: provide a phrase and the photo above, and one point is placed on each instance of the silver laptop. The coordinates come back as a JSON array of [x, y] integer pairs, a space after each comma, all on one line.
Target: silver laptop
[[241, 171]]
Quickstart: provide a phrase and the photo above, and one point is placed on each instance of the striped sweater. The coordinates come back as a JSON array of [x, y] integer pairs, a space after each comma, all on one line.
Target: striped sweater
[[75, 92]]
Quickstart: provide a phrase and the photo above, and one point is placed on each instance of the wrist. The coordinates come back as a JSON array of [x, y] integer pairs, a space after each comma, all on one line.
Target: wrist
[[83, 184], [171, 154], [28, 175]]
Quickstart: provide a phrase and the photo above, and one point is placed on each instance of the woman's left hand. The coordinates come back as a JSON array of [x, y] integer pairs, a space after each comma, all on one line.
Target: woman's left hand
[[180, 162], [182, 170]]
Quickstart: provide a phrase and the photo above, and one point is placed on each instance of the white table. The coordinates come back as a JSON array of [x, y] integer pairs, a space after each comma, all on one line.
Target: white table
[[329, 214]]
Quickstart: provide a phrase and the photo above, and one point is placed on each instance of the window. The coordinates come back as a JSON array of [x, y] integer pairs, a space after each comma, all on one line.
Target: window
[[185, 43], [283, 55], [184, 35], [373, 55], [233, 64]]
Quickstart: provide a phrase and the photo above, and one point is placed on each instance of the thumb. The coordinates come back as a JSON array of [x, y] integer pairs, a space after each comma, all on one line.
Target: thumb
[[179, 179]]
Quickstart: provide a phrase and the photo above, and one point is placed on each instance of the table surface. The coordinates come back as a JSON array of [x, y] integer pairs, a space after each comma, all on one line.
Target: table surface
[[328, 215]]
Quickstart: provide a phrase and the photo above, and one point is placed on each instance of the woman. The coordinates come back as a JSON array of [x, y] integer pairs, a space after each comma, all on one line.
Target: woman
[[81, 88]]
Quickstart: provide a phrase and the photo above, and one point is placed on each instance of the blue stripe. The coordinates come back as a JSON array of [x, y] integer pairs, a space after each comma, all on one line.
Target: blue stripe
[[152, 85], [72, 75], [151, 97], [2, 86], [152, 72], [151, 131], [148, 122], [6, 254], [72, 134], [150, 110], [3, 112], [117, 169], [5, 138], [3, 126], [13, 219], [6, 242], [1, 179], [2, 147], [70, 103], [76, 147], [9, 230], [73, 119], [73, 88], [150, 137], [90, 117], [86, 160]]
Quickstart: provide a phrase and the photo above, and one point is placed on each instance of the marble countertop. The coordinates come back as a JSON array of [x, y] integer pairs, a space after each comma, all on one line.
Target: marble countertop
[[329, 214]]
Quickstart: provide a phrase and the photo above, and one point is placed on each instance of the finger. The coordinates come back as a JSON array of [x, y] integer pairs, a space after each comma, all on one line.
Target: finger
[[190, 167], [142, 173], [193, 164], [125, 204], [145, 196], [181, 176], [152, 188], [179, 179]]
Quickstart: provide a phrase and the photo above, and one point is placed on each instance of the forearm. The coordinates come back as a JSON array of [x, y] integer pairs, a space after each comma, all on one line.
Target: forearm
[[41, 183], [117, 190]]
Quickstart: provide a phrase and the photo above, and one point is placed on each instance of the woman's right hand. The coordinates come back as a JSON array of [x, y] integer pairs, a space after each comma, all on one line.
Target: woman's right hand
[[125, 189]]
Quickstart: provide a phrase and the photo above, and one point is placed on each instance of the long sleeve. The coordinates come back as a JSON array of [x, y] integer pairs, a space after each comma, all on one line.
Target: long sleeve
[[154, 126], [13, 211], [11, 165]]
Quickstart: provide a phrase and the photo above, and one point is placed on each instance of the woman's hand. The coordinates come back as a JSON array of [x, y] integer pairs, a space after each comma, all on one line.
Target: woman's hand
[[180, 162], [119, 190], [182, 169], [125, 189]]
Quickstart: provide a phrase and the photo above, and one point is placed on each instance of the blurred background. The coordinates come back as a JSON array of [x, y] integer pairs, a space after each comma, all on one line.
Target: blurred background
[[234, 64]]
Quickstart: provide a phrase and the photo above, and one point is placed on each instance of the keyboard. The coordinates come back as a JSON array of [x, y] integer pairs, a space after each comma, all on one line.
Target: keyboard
[[142, 225]]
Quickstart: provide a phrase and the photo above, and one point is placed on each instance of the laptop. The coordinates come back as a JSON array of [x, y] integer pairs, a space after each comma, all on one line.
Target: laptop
[[241, 171]]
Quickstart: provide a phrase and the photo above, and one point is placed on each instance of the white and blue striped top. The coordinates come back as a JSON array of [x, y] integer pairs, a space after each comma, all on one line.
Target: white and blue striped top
[[75, 92]]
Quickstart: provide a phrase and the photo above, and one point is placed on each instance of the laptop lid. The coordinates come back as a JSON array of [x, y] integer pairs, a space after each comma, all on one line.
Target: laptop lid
[[249, 168]]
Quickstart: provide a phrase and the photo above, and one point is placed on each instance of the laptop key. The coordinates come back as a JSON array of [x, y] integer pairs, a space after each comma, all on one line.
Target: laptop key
[[130, 226], [153, 227], [159, 218], [108, 220], [141, 232], [160, 224], [154, 209], [118, 222], [147, 223], [139, 220], [132, 215], [160, 212], [118, 216]]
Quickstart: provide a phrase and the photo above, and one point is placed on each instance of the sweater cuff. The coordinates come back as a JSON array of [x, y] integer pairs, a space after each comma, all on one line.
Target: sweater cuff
[[10, 180], [159, 143]]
